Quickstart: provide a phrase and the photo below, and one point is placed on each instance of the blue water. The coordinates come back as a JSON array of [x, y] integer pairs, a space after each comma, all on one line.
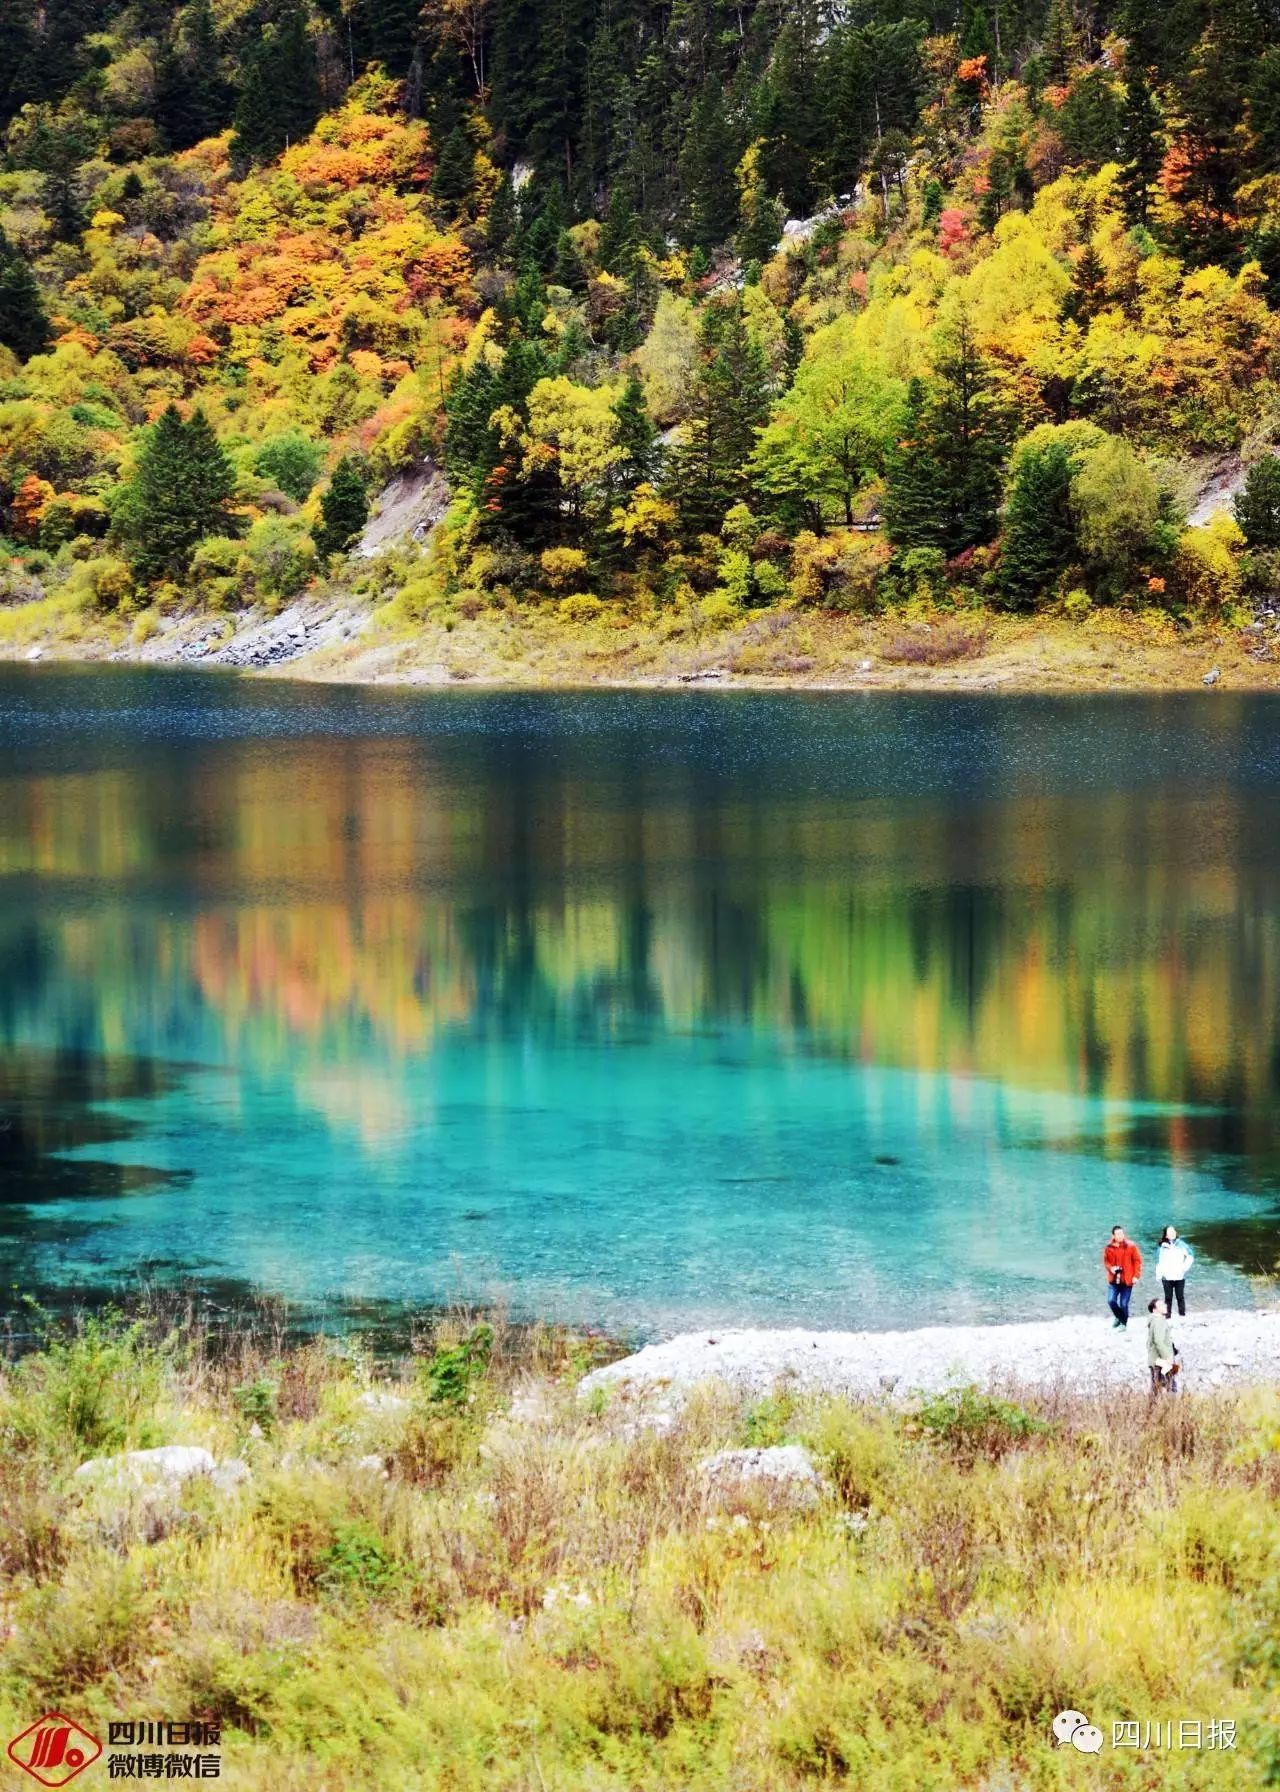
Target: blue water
[[637, 1010]]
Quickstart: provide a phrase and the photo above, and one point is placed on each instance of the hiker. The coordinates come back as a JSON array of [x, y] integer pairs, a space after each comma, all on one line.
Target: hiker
[[1122, 1261], [1162, 1352], [1175, 1259]]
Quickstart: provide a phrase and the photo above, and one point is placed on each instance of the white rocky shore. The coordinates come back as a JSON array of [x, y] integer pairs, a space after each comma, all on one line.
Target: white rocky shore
[[1083, 1354]]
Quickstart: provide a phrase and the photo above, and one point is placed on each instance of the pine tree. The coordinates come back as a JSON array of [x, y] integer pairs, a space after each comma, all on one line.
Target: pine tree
[[709, 471], [192, 99], [1063, 46], [280, 97], [707, 160], [500, 224], [1141, 146], [180, 492], [344, 506], [455, 171], [24, 328], [943, 484], [1257, 507], [389, 31], [1039, 540], [637, 438]]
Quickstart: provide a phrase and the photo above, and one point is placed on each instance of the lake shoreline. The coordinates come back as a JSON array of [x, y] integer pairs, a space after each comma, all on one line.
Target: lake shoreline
[[1221, 1348], [335, 641]]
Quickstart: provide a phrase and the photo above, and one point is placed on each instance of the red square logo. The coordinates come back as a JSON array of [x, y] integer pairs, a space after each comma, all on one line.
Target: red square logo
[[54, 1749]]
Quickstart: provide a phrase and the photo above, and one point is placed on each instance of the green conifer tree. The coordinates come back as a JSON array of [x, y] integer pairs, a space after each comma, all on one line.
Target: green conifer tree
[[180, 492], [455, 171], [1141, 146], [24, 328], [1039, 540], [1257, 507], [280, 96], [637, 438], [943, 478], [192, 96], [344, 506]]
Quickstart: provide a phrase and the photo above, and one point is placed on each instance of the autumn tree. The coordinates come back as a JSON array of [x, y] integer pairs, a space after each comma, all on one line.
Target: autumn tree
[[832, 430]]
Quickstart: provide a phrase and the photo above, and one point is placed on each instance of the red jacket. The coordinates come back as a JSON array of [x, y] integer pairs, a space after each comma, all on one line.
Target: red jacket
[[1127, 1258]]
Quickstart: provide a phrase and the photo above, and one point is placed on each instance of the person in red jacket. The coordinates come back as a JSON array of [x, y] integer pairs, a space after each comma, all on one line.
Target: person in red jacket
[[1122, 1261]]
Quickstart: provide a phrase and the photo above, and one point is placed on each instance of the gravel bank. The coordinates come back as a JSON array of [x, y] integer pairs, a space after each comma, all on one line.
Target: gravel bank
[[1219, 1349]]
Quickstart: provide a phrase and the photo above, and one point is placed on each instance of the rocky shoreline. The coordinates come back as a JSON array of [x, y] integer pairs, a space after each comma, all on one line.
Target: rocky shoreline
[[1084, 1354]]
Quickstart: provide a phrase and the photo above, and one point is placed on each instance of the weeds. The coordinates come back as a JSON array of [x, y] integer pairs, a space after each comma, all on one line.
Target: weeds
[[459, 1576]]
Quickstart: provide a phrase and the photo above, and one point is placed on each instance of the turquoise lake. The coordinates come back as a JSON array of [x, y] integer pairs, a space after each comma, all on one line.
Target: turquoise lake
[[643, 1010]]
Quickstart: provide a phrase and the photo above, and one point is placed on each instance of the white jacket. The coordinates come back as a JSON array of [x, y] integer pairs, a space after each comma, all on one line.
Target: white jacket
[[1174, 1261]]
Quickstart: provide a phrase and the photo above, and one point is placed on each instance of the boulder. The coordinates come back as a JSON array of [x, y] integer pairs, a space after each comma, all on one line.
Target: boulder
[[1211, 677], [170, 1465], [783, 1470], [163, 1470], [378, 1400]]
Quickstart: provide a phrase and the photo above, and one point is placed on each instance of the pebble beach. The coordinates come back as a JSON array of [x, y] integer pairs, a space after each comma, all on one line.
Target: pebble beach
[[1228, 1348]]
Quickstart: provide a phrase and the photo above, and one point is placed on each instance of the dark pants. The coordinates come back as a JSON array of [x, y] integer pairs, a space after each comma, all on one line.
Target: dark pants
[[1118, 1298], [1175, 1291], [1162, 1383]]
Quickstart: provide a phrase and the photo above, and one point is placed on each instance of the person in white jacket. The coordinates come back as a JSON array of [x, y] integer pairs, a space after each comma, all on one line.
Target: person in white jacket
[[1174, 1261]]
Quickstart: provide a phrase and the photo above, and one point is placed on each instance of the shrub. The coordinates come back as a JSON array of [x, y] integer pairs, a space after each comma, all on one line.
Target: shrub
[[281, 556], [95, 1388], [841, 570], [359, 1560], [563, 568], [449, 1376], [292, 460], [936, 646], [719, 610], [1206, 565], [973, 1423], [580, 606], [768, 1421]]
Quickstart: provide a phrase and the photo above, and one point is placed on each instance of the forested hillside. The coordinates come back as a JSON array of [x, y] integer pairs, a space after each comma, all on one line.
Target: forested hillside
[[703, 307]]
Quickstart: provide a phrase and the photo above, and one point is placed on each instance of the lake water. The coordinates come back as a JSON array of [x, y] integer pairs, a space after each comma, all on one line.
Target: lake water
[[644, 1010]]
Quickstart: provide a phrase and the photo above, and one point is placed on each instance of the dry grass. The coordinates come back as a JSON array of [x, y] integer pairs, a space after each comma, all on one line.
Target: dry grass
[[938, 646], [529, 1589]]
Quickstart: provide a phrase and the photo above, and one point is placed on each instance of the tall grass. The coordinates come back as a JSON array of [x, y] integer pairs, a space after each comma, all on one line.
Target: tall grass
[[478, 1579]]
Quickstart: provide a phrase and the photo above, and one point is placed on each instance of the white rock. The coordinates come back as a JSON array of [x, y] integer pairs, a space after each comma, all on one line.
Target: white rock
[[230, 1474], [34, 653], [1211, 677], [378, 1400], [782, 1468], [370, 1465], [172, 1463], [159, 1471]]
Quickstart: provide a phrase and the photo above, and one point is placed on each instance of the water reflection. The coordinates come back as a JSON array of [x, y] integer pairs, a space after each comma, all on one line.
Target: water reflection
[[380, 927]]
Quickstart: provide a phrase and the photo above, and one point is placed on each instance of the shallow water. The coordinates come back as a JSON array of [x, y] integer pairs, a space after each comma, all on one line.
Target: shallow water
[[640, 1009]]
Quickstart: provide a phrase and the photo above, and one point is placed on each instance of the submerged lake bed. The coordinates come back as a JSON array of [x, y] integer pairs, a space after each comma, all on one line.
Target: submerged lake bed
[[644, 1010]]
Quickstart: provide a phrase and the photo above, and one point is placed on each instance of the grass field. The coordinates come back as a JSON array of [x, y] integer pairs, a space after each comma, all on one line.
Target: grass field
[[455, 1572]]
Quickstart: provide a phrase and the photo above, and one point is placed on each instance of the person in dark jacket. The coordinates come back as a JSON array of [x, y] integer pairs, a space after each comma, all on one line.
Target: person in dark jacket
[[1122, 1261]]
